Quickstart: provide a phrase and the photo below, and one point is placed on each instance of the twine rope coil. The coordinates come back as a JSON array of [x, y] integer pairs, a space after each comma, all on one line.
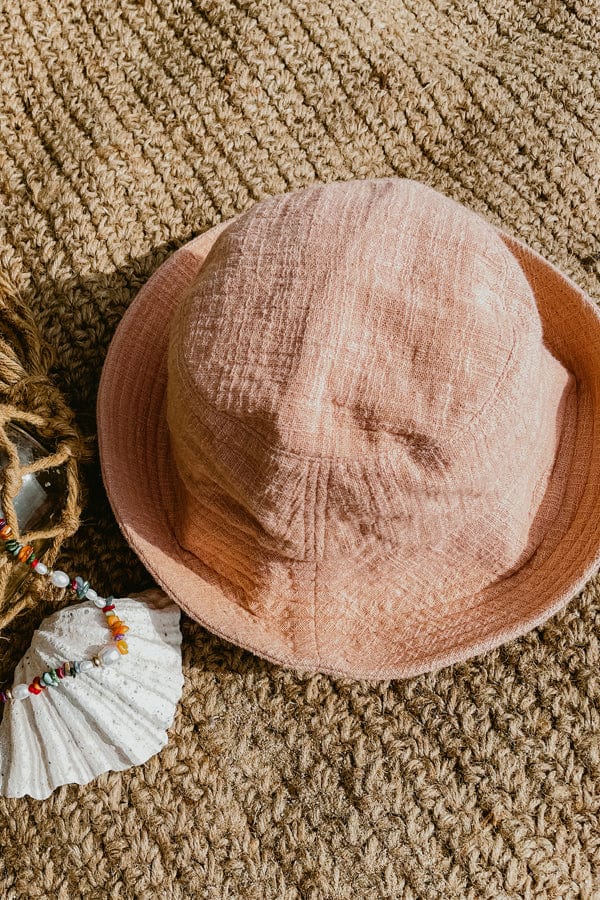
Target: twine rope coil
[[28, 397]]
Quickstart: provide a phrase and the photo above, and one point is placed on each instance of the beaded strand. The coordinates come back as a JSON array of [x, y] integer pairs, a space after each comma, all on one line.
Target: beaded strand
[[107, 657]]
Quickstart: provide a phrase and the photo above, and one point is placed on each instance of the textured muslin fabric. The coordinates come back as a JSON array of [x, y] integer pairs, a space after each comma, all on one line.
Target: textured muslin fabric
[[125, 130], [365, 426]]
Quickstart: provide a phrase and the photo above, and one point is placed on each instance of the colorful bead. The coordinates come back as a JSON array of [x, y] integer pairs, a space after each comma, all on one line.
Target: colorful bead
[[73, 584], [60, 672], [3, 697], [5, 532], [82, 587], [60, 579], [24, 552], [110, 656], [113, 620], [2, 523], [39, 567], [108, 607], [20, 692], [122, 647], [118, 637], [34, 688], [38, 681], [12, 545]]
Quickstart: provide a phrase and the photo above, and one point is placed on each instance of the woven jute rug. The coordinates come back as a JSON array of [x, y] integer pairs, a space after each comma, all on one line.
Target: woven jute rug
[[126, 128]]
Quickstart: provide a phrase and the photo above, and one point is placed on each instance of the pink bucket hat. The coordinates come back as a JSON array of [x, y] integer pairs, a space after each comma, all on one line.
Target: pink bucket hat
[[353, 430]]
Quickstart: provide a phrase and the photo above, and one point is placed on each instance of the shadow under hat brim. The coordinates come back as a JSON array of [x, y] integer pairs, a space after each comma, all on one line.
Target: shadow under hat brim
[[138, 476]]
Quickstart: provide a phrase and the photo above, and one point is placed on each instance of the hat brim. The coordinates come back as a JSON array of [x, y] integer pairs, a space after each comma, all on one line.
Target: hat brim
[[138, 476]]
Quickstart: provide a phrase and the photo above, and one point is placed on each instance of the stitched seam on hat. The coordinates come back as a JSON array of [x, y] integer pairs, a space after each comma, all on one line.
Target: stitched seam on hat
[[323, 509], [314, 570], [307, 490], [304, 511], [322, 481]]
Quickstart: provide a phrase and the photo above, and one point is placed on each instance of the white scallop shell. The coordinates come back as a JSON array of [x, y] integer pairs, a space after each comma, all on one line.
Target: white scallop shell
[[105, 719]]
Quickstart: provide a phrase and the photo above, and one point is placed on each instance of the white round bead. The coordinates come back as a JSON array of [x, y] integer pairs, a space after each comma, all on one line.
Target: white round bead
[[21, 691], [86, 664], [91, 594], [100, 602], [40, 568], [60, 579], [110, 656]]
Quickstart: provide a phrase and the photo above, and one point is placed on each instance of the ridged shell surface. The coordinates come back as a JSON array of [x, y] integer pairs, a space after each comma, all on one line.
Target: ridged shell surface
[[104, 719]]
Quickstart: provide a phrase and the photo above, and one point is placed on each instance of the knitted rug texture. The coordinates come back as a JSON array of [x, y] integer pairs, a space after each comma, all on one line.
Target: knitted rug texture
[[126, 128]]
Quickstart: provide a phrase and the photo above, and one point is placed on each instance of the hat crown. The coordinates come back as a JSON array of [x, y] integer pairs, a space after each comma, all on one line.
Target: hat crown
[[350, 365], [353, 316]]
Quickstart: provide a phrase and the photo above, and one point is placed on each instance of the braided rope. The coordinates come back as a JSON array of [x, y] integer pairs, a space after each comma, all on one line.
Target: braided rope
[[30, 399]]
